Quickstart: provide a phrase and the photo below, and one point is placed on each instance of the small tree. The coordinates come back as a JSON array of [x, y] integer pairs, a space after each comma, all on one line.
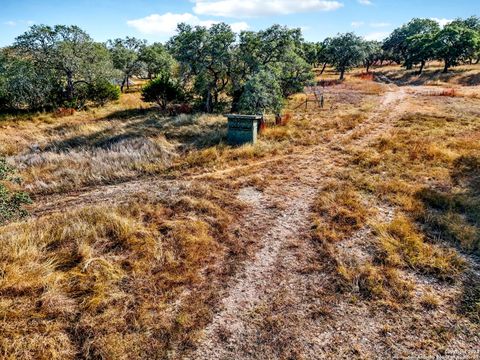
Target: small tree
[[346, 51], [162, 91], [262, 93], [68, 54], [126, 57], [205, 56], [397, 43], [373, 53], [421, 49], [293, 73], [24, 86], [157, 60]]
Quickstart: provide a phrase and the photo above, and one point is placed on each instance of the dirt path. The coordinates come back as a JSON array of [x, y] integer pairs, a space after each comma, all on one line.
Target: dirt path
[[276, 276]]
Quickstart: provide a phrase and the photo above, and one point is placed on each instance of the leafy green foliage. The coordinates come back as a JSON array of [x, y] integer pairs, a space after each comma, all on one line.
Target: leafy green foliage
[[346, 51], [157, 60], [11, 202], [262, 94], [102, 92], [398, 42], [278, 50], [24, 86], [163, 91], [454, 43], [373, 53], [126, 57], [293, 73], [67, 56], [205, 56]]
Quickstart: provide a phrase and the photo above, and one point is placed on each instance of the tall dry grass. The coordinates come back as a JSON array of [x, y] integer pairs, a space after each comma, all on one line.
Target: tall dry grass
[[113, 282]]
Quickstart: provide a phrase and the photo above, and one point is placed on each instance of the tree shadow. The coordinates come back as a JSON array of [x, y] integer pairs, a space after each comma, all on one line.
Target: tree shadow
[[453, 215], [470, 80], [411, 77]]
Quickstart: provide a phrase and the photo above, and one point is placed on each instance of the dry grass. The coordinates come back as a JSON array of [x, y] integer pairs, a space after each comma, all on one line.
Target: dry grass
[[402, 245], [426, 167], [340, 212], [141, 279], [107, 284]]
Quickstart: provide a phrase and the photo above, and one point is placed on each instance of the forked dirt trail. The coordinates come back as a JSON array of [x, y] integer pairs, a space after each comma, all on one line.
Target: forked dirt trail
[[276, 276]]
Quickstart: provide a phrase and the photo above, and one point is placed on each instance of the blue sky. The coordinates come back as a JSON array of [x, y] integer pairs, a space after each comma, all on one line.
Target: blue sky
[[155, 20]]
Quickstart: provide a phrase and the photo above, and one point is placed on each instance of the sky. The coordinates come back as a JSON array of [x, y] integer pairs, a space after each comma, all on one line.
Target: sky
[[156, 20]]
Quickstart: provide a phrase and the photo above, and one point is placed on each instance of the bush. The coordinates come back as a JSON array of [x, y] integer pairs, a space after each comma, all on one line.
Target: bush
[[11, 202], [162, 91], [102, 92], [262, 94]]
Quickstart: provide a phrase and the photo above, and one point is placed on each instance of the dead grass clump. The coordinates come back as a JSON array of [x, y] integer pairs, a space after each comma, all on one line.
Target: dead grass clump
[[430, 301], [366, 76], [400, 244], [349, 121], [51, 171], [62, 112], [340, 212], [374, 282], [277, 133]]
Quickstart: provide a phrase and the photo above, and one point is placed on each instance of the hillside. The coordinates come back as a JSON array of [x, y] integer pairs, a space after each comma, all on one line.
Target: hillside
[[350, 232]]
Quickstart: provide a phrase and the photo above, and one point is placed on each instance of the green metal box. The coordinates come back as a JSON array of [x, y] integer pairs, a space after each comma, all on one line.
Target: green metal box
[[242, 129]]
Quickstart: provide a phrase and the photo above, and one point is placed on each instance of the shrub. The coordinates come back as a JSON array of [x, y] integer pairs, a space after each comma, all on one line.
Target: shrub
[[102, 92], [162, 91], [11, 202]]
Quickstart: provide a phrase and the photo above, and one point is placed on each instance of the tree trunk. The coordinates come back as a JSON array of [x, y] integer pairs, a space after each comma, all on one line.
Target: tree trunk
[[237, 94], [368, 66], [342, 74], [422, 65], [215, 100], [70, 88], [208, 102], [447, 66], [409, 66], [128, 85], [123, 85], [323, 68]]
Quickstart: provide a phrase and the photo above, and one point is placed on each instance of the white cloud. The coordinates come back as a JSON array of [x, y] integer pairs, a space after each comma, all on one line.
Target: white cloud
[[379, 24], [378, 36], [166, 24], [239, 26], [254, 8], [357, 24], [10, 23], [442, 21], [365, 2]]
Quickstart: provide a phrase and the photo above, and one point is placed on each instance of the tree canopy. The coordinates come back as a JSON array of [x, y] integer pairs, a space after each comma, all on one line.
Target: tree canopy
[[67, 56], [346, 51]]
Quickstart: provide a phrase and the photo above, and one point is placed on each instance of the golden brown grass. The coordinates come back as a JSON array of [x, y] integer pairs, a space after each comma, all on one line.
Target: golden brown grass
[[140, 280], [425, 167], [103, 282], [402, 245], [340, 212]]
